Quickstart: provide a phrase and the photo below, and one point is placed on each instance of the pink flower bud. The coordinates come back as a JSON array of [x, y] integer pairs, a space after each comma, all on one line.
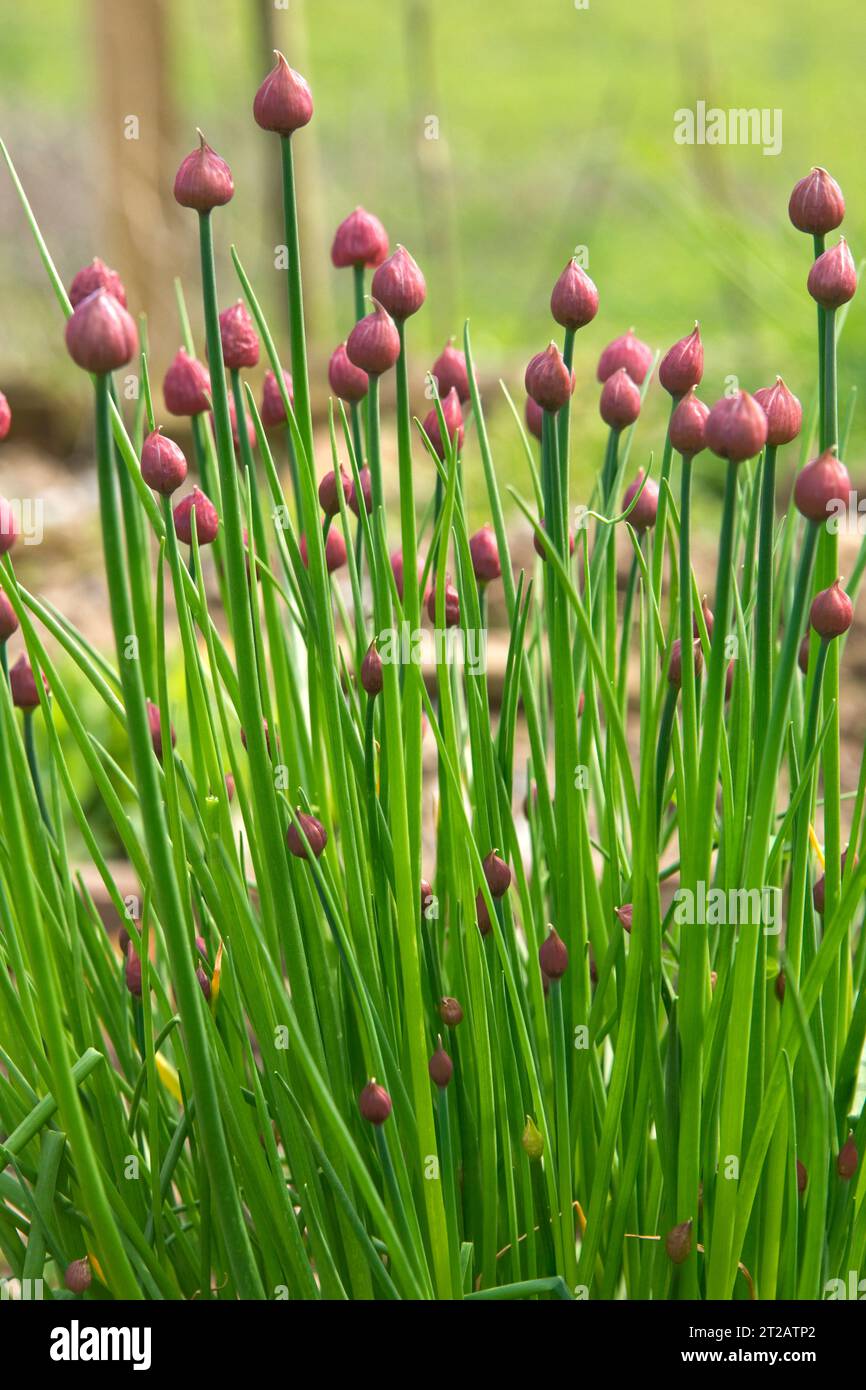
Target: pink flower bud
[[374, 1103], [832, 612], [485, 555], [100, 335], [678, 1242], [629, 352], [284, 102], [371, 671], [240, 342], [374, 343], [619, 406], [359, 240], [497, 874], [250, 427], [574, 301], [78, 1277], [155, 726], [329, 495], [204, 983], [315, 832], [816, 204], [441, 1068], [22, 683], [163, 466], [822, 487], [8, 618], [548, 381], [783, 411], [553, 956], [206, 519], [675, 669], [426, 897], [273, 411], [625, 915], [833, 277], [96, 276], [688, 424], [449, 372], [203, 181], [541, 546], [709, 619], [399, 286], [186, 386], [346, 380], [682, 366], [133, 971], [534, 417], [397, 571], [736, 427], [365, 478], [8, 527], [335, 551], [450, 1011], [643, 516], [485, 926], [803, 655], [848, 1159], [5, 416], [452, 605], [453, 423]]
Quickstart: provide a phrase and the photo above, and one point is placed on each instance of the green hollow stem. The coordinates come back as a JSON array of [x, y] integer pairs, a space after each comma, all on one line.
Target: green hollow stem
[[764, 642], [33, 764], [300, 372]]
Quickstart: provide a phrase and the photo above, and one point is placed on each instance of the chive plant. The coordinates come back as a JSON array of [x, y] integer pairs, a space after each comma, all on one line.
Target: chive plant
[[347, 1049]]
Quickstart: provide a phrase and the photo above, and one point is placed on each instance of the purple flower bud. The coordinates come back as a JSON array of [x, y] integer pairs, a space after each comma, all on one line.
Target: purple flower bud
[[452, 605], [553, 956], [5, 416], [365, 478], [736, 427], [399, 286], [709, 619], [440, 1067], [682, 366], [78, 1277], [335, 551], [374, 1103], [816, 205], [360, 239], [163, 465], [848, 1159], [497, 873], [204, 982], [8, 527], [485, 555], [397, 571], [450, 1011], [273, 411], [8, 618], [574, 301], [620, 400], [23, 685], [803, 655], [534, 417], [240, 342], [371, 671], [453, 423], [203, 181], [541, 547], [548, 381], [374, 343], [133, 971], [206, 519], [688, 425], [625, 915], [329, 494], [284, 102], [802, 1177], [485, 926], [186, 386], [450, 373], [832, 612], [629, 352], [100, 335], [96, 276], [822, 487], [675, 669], [426, 897], [678, 1242], [314, 831], [643, 516], [346, 380], [783, 411], [833, 277], [155, 726]]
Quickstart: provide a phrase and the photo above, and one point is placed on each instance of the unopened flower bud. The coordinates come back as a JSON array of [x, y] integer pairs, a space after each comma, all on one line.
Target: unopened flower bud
[[374, 343], [629, 352], [96, 276], [453, 417], [450, 373], [534, 417], [374, 1103], [186, 386], [155, 725], [452, 605], [532, 1140], [822, 487], [485, 555], [619, 405], [163, 465], [22, 682], [802, 1177], [78, 1277], [360, 240], [206, 519], [643, 514], [335, 551], [497, 874], [548, 381], [832, 612], [783, 411], [203, 181], [450, 1011], [284, 102], [273, 410], [541, 546], [100, 335], [688, 425], [482, 913], [365, 478], [848, 1159], [675, 669], [329, 492], [399, 285], [314, 831], [441, 1068], [736, 427], [833, 277], [371, 671], [574, 301], [816, 205], [553, 956], [240, 341], [625, 915], [346, 380], [678, 1242], [5, 417], [132, 971], [8, 527], [8, 618], [682, 366]]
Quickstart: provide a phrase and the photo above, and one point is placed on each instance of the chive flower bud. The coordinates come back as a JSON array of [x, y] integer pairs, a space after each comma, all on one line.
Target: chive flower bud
[[678, 1242], [163, 465], [8, 527], [374, 343], [155, 725], [629, 352], [22, 682], [619, 405], [426, 896], [371, 671], [553, 956], [548, 381], [625, 915], [329, 493], [541, 546], [485, 926], [832, 612], [8, 618], [453, 423], [360, 240], [450, 373], [532, 1140], [314, 831], [346, 380], [643, 514], [485, 555], [5, 416], [100, 335], [848, 1159], [206, 519], [820, 889], [497, 874], [78, 1277], [440, 1067], [802, 1177], [374, 1103], [783, 411], [399, 285], [284, 102], [240, 341], [365, 478], [688, 424], [803, 655], [833, 277], [822, 486], [450, 1011], [335, 551], [682, 366], [779, 986], [816, 205], [96, 276], [574, 301], [204, 983], [203, 181], [132, 971], [452, 605], [273, 411], [534, 417], [675, 669], [709, 619], [186, 386], [397, 569], [736, 427]]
